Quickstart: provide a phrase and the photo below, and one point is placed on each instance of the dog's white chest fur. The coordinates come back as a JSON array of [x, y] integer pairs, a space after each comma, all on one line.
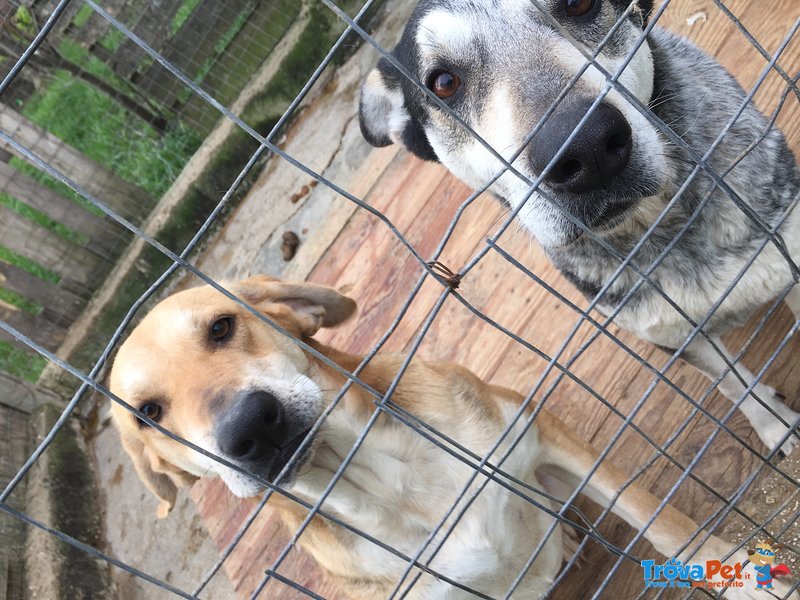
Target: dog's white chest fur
[[399, 487], [740, 283]]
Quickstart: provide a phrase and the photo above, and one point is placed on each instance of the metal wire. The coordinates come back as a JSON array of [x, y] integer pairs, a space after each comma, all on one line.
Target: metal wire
[[485, 466]]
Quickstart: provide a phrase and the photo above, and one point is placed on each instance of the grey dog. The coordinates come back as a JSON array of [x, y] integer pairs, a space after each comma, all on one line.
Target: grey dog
[[500, 64]]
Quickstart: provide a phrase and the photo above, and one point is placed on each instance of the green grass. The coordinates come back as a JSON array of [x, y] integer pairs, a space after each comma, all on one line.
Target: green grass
[[107, 133], [41, 219], [183, 13], [21, 302], [112, 39], [23, 20], [83, 14], [80, 56], [22, 364], [33, 268]]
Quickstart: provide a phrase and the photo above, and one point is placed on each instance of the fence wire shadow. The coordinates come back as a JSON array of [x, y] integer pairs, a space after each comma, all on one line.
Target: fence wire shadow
[[559, 364]]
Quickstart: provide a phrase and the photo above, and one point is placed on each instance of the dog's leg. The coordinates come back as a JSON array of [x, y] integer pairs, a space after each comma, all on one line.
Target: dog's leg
[[571, 459], [560, 489], [701, 355], [793, 300]]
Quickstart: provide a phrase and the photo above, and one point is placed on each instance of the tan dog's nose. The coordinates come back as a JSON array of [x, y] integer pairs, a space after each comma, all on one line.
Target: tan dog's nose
[[252, 431]]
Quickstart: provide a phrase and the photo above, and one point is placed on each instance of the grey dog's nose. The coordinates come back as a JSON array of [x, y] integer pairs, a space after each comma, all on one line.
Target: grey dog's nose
[[598, 154], [252, 427]]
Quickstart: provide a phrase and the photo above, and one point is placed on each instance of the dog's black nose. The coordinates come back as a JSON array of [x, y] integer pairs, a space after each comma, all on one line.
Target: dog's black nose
[[598, 154], [252, 427]]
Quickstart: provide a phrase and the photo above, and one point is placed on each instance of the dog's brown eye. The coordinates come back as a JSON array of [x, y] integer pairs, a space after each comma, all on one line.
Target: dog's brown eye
[[151, 410], [221, 329], [444, 84], [578, 8]]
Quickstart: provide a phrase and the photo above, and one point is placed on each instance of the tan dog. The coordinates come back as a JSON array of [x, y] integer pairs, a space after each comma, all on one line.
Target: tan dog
[[216, 375]]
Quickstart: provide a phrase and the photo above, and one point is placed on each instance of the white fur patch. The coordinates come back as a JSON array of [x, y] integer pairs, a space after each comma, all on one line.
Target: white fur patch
[[443, 32], [382, 108]]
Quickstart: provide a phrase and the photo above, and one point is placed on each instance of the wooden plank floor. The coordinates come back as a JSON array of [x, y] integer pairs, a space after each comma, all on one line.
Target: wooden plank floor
[[421, 199]]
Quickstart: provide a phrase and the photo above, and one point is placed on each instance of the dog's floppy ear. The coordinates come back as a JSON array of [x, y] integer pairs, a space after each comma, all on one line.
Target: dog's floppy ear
[[306, 305], [160, 477], [384, 116]]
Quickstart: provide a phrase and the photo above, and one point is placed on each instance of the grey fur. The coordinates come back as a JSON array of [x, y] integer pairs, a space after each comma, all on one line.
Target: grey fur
[[507, 46]]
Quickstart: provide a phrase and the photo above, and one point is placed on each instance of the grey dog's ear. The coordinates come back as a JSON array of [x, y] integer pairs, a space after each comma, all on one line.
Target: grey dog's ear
[[160, 477], [385, 117], [305, 305]]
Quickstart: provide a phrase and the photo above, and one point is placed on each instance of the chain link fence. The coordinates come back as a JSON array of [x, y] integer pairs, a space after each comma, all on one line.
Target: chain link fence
[[141, 33]]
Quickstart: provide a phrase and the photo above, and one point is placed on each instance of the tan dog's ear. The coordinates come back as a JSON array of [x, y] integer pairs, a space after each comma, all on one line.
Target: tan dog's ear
[[311, 306], [160, 477]]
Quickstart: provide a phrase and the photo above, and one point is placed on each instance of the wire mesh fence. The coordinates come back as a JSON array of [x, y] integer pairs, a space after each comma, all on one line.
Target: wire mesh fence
[[686, 457]]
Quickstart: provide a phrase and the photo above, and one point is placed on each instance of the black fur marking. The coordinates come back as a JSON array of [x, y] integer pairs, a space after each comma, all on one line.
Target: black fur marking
[[667, 349], [587, 288], [590, 289], [416, 141]]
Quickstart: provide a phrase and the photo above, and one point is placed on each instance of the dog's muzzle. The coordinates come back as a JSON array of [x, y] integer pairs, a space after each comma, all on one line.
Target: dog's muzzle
[[256, 434], [596, 156]]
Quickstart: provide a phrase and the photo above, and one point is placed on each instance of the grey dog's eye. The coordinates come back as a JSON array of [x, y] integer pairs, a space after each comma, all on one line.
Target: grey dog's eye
[[221, 329], [151, 410], [578, 8], [444, 84]]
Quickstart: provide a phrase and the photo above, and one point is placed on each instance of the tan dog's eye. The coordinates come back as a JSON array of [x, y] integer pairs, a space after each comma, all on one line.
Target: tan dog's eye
[[444, 84], [579, 8], [151, 410], [221, 329]]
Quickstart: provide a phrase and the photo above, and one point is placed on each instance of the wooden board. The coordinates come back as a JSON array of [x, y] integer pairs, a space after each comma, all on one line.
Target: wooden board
[[421, 199]]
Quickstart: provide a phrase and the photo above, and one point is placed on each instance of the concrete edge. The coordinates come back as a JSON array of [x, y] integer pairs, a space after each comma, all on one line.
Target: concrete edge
[[62, 493]]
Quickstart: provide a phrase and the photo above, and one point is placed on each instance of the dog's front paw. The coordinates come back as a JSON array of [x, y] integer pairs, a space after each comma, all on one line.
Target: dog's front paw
[[769, 428]]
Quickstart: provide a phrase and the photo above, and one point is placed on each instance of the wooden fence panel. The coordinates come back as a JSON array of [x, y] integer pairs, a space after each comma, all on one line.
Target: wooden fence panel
[[81, 272], [64, 305], [38, 327], [53, 252], [104, 237], [130, 201], [25, 397]]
